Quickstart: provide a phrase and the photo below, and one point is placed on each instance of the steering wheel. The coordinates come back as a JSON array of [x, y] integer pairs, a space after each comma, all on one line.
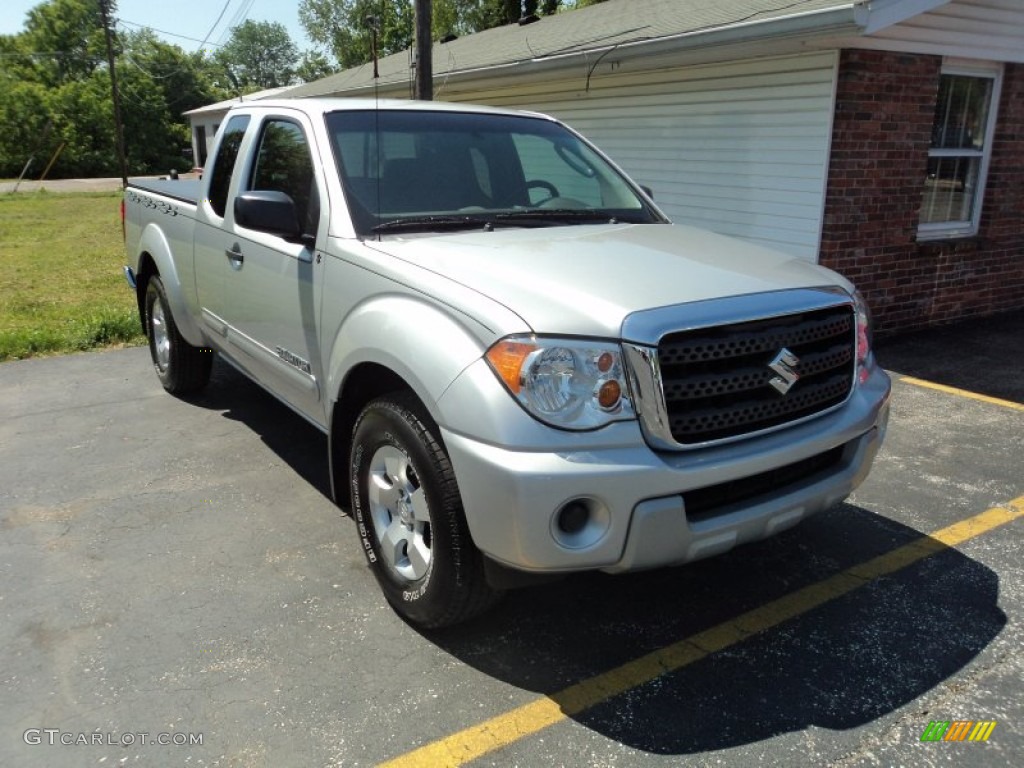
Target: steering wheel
[[547, 186]]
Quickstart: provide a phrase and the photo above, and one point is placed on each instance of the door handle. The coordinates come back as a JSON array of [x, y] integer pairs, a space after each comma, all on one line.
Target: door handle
[[235, 256]]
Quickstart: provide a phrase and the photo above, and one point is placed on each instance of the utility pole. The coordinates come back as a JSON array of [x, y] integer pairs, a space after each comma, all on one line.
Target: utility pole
[[118, 124], [424, 52]]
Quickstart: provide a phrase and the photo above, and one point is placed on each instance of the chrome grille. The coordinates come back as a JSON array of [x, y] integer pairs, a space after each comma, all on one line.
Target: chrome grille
[[716, 380]]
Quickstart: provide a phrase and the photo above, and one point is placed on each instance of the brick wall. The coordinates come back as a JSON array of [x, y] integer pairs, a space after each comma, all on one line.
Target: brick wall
[[884, 111]]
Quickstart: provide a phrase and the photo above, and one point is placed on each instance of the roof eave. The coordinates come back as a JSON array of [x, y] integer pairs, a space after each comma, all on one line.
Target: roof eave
[[879, 14]]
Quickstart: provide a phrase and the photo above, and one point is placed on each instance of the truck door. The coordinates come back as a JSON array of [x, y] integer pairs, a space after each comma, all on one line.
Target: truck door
[[260, 289]]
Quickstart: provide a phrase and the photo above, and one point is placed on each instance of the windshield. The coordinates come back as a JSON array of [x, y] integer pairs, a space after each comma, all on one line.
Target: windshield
[[440, 171]]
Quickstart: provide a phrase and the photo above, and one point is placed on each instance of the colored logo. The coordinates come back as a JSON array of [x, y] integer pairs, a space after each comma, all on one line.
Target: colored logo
[[958, 730]]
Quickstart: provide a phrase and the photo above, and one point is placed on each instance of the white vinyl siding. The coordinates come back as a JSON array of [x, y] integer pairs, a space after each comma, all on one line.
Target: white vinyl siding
[[739, 148], [992, 30]]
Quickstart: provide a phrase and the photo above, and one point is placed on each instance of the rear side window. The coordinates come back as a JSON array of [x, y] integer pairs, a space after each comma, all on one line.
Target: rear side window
[[284, 164], [224, 162]]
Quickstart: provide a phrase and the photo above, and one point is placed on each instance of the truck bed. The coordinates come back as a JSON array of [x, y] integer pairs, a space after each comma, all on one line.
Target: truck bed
[[185, 190]]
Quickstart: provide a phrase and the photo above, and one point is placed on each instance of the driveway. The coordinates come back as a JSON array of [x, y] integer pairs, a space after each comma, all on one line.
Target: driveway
[[173, 571], [74, 185]]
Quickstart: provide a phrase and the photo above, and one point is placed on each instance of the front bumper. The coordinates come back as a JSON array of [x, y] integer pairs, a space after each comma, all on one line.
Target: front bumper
[[637, 497]]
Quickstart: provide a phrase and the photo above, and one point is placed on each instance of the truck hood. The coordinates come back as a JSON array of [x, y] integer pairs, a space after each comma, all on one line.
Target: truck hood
[[585, 280]]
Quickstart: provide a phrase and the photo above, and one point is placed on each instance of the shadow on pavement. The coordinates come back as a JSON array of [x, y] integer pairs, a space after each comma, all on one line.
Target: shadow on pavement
[[984, 356], [837, 667], [301, 445]]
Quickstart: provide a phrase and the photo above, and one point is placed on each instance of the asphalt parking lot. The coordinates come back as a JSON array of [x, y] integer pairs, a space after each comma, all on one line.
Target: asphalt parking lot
[[174, 571]]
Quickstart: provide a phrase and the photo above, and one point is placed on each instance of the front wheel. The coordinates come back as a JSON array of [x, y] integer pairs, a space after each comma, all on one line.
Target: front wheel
[[409, 516], [181, 368]]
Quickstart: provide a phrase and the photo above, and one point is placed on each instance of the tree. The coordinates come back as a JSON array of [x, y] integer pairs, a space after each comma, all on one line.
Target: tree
[[313, 66], [70, 93], [186, 80], [258, 55], [159, 81], [343, 28], [446, 18], [485, 14], [82, 119], [61, 45], [479, 15], [24, 114], [66, 38]]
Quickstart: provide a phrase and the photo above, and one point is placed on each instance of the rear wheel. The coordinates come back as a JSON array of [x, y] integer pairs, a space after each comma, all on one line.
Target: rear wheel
[[180, 367], [409, 516]]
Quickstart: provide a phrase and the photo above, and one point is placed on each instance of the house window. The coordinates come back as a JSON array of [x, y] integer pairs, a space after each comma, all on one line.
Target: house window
[[961, 146]]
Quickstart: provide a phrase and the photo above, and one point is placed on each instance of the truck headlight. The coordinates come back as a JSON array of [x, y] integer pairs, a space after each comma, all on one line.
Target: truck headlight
[[567, 383]]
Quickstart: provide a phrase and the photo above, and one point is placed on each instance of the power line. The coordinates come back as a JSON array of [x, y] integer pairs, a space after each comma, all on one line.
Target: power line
[[221, 16], [236, 20], [241, 13], [148, 72], [55, 54], [163, 31]]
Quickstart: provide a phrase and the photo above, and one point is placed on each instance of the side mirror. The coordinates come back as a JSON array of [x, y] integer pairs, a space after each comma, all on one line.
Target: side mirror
[[268, 211], [647, 191]]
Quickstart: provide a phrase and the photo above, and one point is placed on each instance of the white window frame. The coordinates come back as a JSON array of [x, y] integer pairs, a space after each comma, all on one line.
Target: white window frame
[[953, 229]]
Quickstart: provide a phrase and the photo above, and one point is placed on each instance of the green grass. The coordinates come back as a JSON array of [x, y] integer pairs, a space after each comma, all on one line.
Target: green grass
[[61, 285]]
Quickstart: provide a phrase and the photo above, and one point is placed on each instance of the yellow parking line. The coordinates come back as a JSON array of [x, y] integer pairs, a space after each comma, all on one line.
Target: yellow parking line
[[962, 393], [505, 729]]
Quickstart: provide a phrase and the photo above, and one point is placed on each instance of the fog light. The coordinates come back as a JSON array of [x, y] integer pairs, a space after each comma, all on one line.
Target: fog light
[[580, 523], [573, 517]]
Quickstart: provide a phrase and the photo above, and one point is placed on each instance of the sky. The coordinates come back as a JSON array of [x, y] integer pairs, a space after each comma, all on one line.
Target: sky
[[177, 20]]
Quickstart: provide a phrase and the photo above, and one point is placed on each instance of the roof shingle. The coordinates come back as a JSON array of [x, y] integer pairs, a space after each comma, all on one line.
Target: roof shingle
[[597, 27]]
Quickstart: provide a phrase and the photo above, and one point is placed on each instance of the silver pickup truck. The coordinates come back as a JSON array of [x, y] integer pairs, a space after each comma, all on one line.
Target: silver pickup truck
[[523, 368]]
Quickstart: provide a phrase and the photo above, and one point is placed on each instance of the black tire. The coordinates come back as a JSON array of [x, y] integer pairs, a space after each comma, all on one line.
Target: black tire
[[405, 498], [181, 368]]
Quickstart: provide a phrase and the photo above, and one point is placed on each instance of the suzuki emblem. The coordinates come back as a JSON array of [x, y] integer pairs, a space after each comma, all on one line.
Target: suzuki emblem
[[784, 364]]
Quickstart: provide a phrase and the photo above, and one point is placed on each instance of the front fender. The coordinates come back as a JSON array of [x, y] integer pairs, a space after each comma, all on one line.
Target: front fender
[[413, 337], [153, 241]]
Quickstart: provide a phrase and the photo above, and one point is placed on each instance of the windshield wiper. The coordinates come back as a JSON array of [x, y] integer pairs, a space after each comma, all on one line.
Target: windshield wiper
[[432, 224], [554, 216], [525, 218]]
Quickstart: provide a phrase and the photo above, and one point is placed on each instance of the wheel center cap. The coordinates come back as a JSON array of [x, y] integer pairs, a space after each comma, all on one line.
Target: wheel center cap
[[405, 512]]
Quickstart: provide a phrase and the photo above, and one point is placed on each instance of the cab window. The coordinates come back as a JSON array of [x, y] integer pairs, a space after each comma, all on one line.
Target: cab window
[[224, 162]]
